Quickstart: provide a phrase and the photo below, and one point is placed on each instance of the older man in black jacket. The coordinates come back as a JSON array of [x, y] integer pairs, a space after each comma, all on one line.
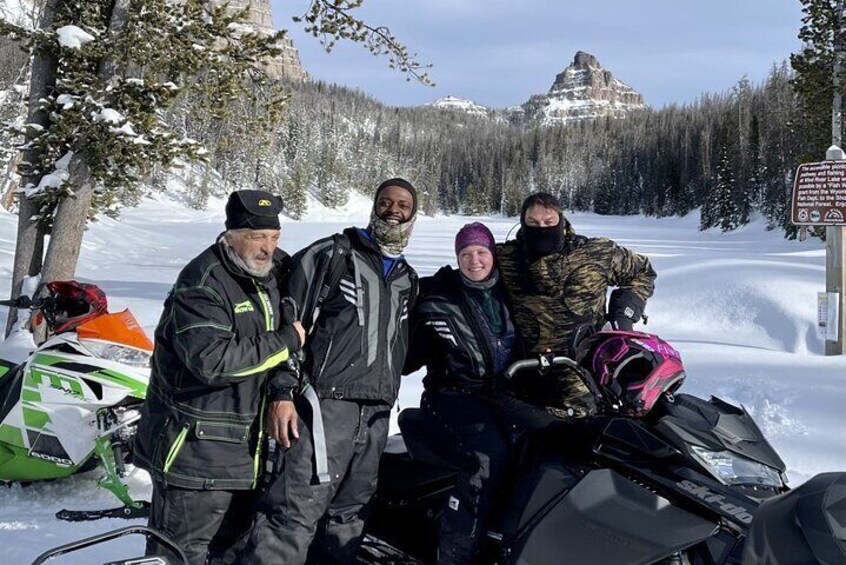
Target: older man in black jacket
[[218, 340], [354, 358]]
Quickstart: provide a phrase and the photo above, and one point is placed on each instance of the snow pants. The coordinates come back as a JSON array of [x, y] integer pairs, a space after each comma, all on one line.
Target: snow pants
[[210, 526], [295, 509], [478, 434]]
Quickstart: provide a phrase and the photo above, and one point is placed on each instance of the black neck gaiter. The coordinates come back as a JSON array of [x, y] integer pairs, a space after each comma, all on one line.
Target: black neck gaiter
[[542, 241]]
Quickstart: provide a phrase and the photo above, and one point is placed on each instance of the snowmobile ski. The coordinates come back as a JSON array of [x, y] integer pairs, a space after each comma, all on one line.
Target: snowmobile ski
[[142, 510]]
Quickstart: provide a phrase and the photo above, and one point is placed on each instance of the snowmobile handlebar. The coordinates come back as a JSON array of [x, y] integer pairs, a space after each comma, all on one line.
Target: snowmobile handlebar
[[545, 361], [541, 362], [149, 533], [21, 302]]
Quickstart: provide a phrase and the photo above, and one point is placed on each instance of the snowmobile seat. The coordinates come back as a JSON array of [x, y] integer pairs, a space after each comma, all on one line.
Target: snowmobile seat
[[421, 443]]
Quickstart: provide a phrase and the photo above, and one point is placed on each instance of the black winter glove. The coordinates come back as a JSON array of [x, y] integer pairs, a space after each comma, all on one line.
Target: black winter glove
[[625, 308]]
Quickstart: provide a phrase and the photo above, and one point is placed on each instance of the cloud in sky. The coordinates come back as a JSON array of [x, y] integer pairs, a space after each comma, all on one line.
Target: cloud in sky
[[499, 52]]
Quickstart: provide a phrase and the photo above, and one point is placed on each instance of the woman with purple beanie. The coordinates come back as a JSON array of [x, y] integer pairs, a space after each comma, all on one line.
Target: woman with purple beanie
[[461, 330]]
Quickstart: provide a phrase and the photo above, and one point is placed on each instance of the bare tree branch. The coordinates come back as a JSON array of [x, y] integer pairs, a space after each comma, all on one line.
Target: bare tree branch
[[333, 20]]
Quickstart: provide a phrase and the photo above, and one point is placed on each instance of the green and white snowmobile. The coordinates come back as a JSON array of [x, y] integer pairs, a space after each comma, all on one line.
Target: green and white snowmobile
[[72, 403]]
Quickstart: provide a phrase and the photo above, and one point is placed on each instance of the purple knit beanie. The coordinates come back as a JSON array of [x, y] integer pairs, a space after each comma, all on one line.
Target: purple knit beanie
[[475, 234]]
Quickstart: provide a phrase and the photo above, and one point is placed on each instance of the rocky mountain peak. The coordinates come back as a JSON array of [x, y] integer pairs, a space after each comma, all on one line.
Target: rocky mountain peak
[[584, 60], [286, 65], [584, 90]]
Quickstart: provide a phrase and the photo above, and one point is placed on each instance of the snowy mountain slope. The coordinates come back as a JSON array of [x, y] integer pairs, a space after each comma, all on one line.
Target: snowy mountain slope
[[740, 307], [461, 105]]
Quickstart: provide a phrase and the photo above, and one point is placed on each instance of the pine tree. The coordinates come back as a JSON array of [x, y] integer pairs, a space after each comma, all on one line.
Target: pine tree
[[331, 176], [822, 29], [722, 200], [295, 186], [113, 66]]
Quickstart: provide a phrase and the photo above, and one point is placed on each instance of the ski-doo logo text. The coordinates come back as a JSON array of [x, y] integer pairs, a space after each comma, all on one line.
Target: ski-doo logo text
[[716, 500]]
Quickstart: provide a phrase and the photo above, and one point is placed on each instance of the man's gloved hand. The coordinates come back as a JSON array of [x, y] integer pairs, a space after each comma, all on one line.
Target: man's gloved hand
[[625, 308]]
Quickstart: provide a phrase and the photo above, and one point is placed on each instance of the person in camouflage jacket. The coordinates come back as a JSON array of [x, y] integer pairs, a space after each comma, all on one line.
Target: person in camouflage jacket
[[557, 282]]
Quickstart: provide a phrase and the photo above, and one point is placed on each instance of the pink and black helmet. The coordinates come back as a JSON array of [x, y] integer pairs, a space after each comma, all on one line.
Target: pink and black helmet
[[633, 368]]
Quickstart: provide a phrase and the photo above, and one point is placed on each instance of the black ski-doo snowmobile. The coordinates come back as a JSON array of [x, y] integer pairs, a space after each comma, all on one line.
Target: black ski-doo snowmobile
[[663, 478]]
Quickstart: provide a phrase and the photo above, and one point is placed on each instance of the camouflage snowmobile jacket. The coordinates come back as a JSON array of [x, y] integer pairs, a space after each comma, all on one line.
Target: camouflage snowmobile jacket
[[553, 295]]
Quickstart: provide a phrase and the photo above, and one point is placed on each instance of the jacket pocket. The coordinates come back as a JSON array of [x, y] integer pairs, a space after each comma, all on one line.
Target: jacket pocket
[[222, 431], [157, 446], [325, 359], [175, 448]]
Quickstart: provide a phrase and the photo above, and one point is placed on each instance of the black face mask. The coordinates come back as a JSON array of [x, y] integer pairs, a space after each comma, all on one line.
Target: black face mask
[[542, 241]]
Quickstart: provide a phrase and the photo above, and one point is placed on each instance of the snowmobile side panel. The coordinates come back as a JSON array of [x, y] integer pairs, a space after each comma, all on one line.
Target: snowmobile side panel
[[606, 518], [635, 436], [537, 488], [18, 464], [806, 525]]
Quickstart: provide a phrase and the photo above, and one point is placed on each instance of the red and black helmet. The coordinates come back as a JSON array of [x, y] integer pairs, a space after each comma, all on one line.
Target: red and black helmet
[[67, 304]]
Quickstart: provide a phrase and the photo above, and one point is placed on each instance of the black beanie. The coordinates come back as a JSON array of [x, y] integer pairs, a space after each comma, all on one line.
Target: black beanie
[[402, 183], [254, 209]]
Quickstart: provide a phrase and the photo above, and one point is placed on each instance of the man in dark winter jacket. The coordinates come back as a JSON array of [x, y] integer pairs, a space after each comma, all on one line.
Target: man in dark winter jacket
[[557, 281], [335, 428], [202, 425]]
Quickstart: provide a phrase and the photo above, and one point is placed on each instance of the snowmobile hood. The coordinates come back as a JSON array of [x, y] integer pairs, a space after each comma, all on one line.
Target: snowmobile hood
[[716, 425]]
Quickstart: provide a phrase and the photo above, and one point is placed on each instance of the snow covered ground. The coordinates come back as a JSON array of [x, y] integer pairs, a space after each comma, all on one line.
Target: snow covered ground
[[740, 307]]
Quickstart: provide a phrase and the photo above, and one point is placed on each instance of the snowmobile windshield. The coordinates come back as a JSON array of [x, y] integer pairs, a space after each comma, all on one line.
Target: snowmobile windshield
[[119, 328], [117, 337]]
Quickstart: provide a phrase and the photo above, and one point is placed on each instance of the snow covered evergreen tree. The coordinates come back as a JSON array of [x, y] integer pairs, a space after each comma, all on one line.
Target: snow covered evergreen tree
[[823, 27], [722, 209], [103, 73]]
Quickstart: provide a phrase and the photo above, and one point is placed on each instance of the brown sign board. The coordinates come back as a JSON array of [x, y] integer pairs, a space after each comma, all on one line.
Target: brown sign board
[[819, 194]]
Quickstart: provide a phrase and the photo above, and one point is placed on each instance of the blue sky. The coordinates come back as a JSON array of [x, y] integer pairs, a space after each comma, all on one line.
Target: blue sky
[[499, 52]]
